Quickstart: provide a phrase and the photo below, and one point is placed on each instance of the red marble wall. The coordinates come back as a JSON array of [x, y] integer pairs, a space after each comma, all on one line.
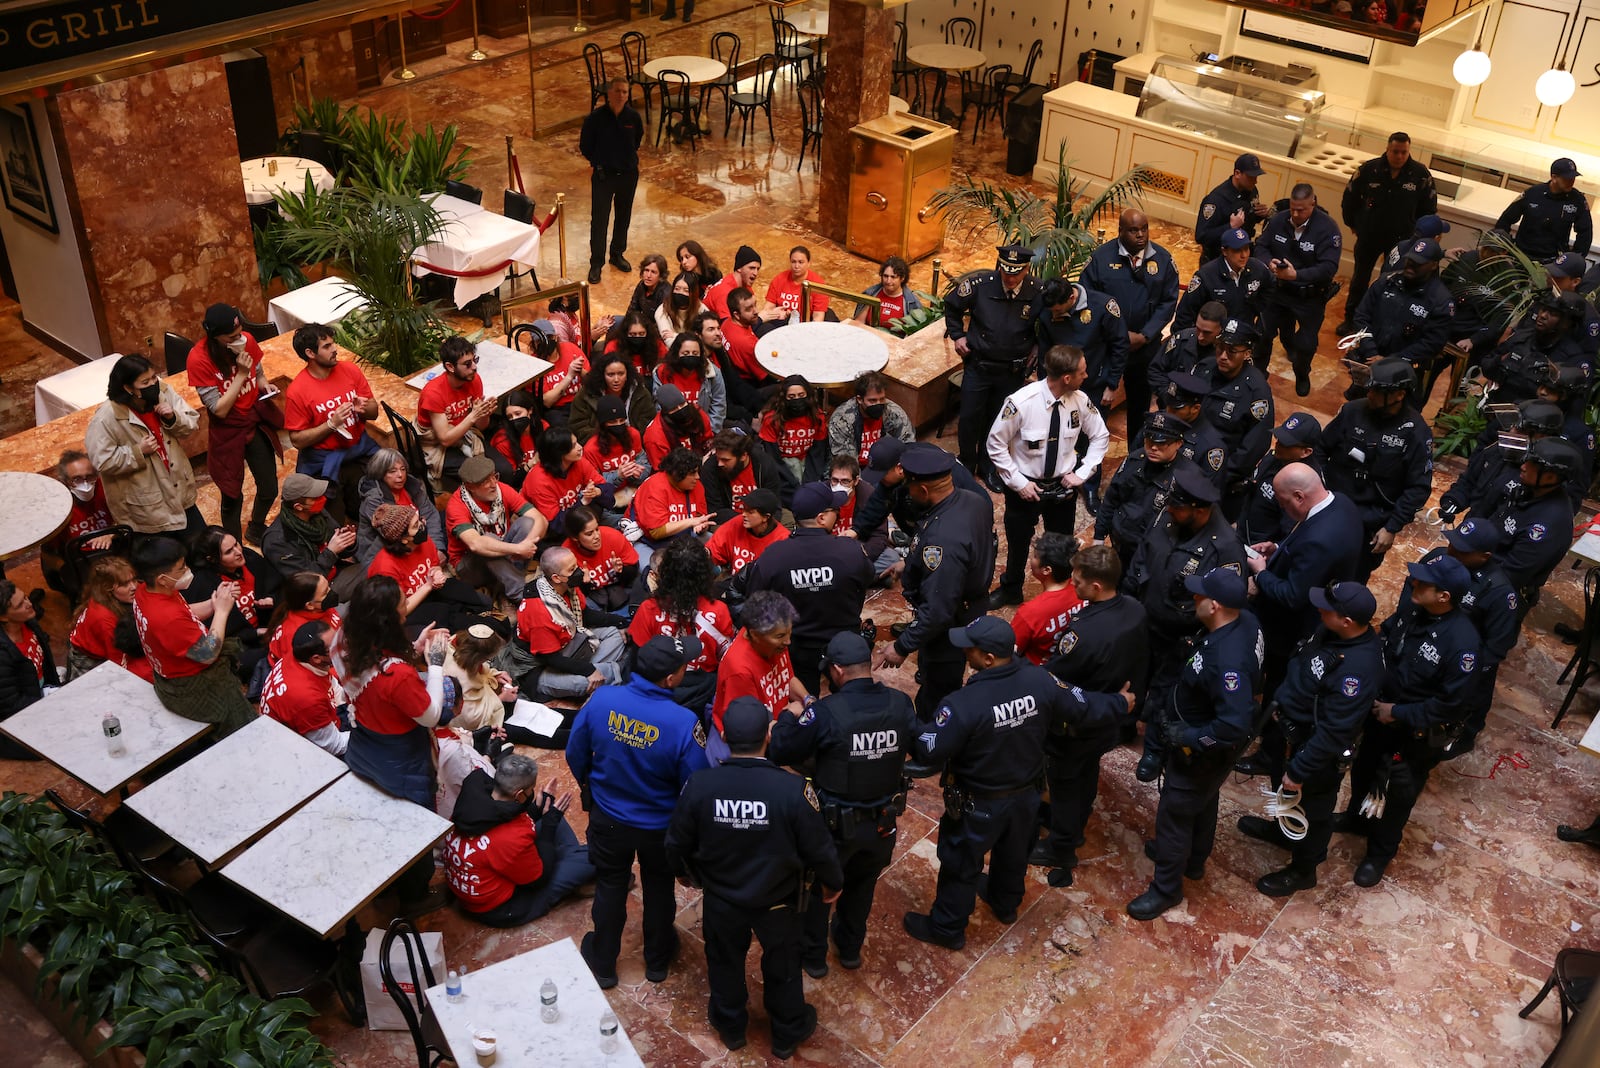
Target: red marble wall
[[860, 67], [154, 168], [330, 68]]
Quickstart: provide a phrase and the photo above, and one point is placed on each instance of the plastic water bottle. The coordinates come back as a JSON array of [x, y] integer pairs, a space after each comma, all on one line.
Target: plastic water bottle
[[608, 1032], [111, 726], [463, 980], [452, 986], [548, 1012]]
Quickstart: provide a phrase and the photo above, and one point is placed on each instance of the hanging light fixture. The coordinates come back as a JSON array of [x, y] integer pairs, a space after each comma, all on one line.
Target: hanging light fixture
[[1556, 85], [1472, 66]]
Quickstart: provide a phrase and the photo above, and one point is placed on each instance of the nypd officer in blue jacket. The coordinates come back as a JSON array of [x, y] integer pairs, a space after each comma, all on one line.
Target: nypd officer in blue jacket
[[631, 749], [990, 319], [854, 742], [1406, 315], [1232, 205], [1140, 276], [1240, 407], [990, 737], [1300, 245], [1554, 216], [1072, 314], [1240, 282], [1213, 713]]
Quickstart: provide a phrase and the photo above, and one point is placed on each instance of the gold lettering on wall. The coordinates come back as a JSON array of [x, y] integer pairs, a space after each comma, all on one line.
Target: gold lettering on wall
[[109, 21]]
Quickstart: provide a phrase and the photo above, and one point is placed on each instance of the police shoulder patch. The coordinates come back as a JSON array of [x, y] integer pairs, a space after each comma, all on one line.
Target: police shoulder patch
[[808, 715], [1467, 660], [1350, 686], [1009, 409], [700, 734], [1112, 308], [1208, 210], [1214, 458], [1258, 409], [811, 797], [1067, 642], [965, 288], [1194, 284], [1511, 600], [1536, 532], [1230, 681], [942, 716], [932, 556]]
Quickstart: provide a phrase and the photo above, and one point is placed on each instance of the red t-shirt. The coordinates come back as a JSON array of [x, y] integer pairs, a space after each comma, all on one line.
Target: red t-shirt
[[93, 633], [716, 298], [152, 422], [444, 396], [412, 571], [524, 455], [566, 352], [793, 437], [601, 567], [281, 645], [742, 342], [167, 630], [392, 701], [689, 383], [309, 400], [87, 518], [871, 433], [246, 604], [298, 697], [659, 439], [457, 518], [538, 628], [203, 373], [29, 646], [732, 546], [1041, 618], [891, 308], [551, 495], [745, 673], [484, 870], [606, 457], [658, 502], [649, 621], [784, 291], [847, 517]]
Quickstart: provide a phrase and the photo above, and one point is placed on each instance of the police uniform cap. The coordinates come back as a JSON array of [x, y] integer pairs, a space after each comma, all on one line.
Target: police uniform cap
[[1567, 265], [1301, 428], [300, 486], [1432, 226], [924, 459], [666, 653], [814, 498], [1564, 168], [1249, 164], [846, 649], [885, 453], [1445, 572], [745, 722], [1013, 259], [1540, 416], [1346, 599], [1237, 332], [989, 634], [1391, 375], [1164, 426], [475, 469], [1424, 250], [1554, 454], [1474, 536], [1227, 588], [762, 500], [1235, 239], [1190, 487], [1184, 387]]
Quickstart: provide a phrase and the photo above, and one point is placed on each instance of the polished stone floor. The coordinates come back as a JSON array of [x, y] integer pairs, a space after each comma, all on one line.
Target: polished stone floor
[[1428, 968]]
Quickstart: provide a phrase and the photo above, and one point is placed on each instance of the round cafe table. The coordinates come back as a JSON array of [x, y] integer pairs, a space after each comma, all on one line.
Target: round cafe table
[[698, 69], [824, 354], [260, 186], [36, 507], [958, 58], [808, 21]]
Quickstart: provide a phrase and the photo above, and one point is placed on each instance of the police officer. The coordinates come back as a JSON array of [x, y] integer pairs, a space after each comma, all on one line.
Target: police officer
[[1138, 491], [748, 832], [1212, 713], [1239, 405], [1567, 388], [1238, 281], [890, 495], [1140, 276], [1430, 653], [1189, 538], [1385, 198], [989, 318], [1300, 245], [1480, 319], [632, 748], [1202, 444], [1379, 452], [948, 569], [1566, 273], [858, 737], [1494, 470], [1554, 216], [824, 577], [1187, 348], [1320, 707], [1545, 336], [1293, 441], [1535, 519], [1102, 649], [1406, 315], [1429, 226], [1072, 314], [1033, 447], [990, 735], [1233, 205]]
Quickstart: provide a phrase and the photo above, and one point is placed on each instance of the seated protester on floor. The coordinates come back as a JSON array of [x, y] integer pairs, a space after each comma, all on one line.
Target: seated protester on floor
[[192, 673], [303, 598], [616, 449], [687, 370], [432, 597], [757, 664], [564, 317], [692, 259], [783, 292], [857, 424], [27, 667], [389, 481], [793, 431], [1041, 619], [739, 332], [513, 436], [135, 441], [678, 607], [676, 314], [744, 400], [735, 469], [493, 532], [613, 376], [652, 287], [305, 537], [607, 559], [301, 692], [104, 629], [671, 501], [635, 338], [488, 695], [746, 268], [217, 557], [558, 387], [455, 758], [225, 368], [1518, 364], [89, 515], [573, 651], [744, 537], [679, 425], [325, 411], [512, 856], [895, 300], [452, 412], [563, 478]]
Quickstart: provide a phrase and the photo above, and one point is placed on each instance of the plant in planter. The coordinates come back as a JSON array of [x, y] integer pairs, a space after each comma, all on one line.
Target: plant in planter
[[930, 312]]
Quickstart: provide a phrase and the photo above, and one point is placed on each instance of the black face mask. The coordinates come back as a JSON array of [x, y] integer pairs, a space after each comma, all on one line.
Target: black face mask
[[685, 418], [688, 363], [150, 395], [796, 406], [617, 432], [680, 300], [636, 344], [518, 427], [420, 536], [874, 411]]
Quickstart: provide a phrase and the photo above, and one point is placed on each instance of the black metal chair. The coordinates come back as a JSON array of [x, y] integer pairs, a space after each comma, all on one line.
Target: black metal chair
[[1573, 977], [960, 31], [409, 445], [903, 69], [227, 911], [928, 89], [635, 54], [519, 207], [313, 145], [724, 49], [677, 100], [1582, 666], [125, 832], [1025, 79], [462, 191], [759, 96], [413, 1006], [280, 961], [989, 98], [792, 47], [594, 61], [176, 348], [810, 94], [77, 556], [260, 331]]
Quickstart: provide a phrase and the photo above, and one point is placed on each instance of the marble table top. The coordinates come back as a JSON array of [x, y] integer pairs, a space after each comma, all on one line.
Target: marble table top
[[260, 186], [502, 369], [809, 21], [824, 354], [322, 864], [35, 508], [504, 997], [946, 56], [64, 727], [698, 68], [229, 794]]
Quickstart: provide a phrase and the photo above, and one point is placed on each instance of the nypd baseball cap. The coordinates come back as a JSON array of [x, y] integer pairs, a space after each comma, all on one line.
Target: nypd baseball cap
[[1346, 599], [1424, 250], [1235, 239], [1445, 572], [1227, 588], [847, 648], [745, 722], [1474, 536], [1564, 168], [1301, 428], [1567, 265], [1432, 226], [1249, 164], [814, 498], [991, 634], [664, 654]]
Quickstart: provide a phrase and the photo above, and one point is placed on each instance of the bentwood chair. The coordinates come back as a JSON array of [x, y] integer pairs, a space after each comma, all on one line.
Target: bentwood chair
[[678, 102], [903, 69], [810, 94], [792, 47], [635, 54], [409, 444], [406, 990], [960, 31], [1573, 977], [594, 61], [724, 49], [928, 86], [989, 97], [759, 96], [1025, 79]]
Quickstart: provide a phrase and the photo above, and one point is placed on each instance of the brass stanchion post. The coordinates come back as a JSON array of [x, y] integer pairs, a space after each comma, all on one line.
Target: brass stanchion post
[[938, 269], [477, 55], [405, 73], [561, 230], [579, 27]]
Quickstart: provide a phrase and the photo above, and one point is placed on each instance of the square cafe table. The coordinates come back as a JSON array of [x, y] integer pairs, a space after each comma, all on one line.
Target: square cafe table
[[502, 369], [238, 788], [477, 250], [64, 728], [325, 301], [320, 866]]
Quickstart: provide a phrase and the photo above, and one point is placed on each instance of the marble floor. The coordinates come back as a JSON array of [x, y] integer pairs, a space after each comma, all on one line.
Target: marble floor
[[1428, 968]]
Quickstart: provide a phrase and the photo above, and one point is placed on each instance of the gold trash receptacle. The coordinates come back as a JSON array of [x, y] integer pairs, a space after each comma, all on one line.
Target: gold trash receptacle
[[897, 163]]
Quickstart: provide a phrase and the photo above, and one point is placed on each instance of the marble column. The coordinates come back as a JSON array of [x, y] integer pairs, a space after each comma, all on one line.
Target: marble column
[[153, 166], [860, 66]]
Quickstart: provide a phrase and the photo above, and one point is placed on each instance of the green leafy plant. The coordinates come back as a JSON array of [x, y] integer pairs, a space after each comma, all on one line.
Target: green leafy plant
[[1060, 229], [931, 311], [1500, 282], [1458, 430]]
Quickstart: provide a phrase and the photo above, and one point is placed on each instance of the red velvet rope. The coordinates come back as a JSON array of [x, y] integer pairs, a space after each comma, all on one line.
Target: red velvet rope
[[516, 174], [439, 15], [486, 272]]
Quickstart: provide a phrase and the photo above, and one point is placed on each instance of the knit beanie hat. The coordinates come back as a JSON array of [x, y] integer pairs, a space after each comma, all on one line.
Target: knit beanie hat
[[393, 521], [745, 255]]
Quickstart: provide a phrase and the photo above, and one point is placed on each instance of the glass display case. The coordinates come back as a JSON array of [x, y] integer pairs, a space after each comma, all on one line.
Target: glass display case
[[1234, 106]]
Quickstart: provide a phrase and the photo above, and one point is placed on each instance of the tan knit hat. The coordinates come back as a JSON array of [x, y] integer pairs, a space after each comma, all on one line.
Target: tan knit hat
[[393, 521]]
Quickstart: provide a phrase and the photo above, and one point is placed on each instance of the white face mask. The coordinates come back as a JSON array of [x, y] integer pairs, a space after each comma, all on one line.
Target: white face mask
[[84, 491], [237, 344], [183, 583]]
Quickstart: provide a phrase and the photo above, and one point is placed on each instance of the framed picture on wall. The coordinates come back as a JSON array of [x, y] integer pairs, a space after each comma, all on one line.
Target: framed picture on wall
[[22, 177], [1296, 31]]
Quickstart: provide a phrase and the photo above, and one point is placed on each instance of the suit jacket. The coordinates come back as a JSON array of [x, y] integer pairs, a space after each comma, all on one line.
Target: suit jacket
[[1322, 548]]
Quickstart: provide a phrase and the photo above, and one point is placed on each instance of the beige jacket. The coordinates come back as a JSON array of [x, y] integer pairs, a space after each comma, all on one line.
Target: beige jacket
[[141, 491]]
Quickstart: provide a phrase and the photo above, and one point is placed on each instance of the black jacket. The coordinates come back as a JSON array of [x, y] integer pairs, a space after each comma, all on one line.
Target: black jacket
[[824, 577], [1326, 693], [19, 681]]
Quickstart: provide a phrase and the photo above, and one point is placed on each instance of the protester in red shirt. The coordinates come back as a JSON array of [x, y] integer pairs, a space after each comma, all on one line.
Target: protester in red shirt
[[757, 663], [746, 268], [225, 368], [894, 300], [680, 425], [89, 513], [452, 412], [636, 338], [563, 478], [738, 333], [27, 668], [617, 450], [1039, 619], [325, 410], [549, 625], [492, 531], [792, 425], [681, 575], [559, 385], [412, 560], [671, 501], [300, 691], [104, 629], [690, 372], [608, 560], [514, 435], [743, 538], [784, 291], [218, 557], [301, 600]]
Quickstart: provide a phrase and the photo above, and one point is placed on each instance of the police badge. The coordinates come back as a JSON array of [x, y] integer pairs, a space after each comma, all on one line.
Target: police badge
[[1150, 267], [932, 556], [1214, 458], [1085, 315], [1258, 409]]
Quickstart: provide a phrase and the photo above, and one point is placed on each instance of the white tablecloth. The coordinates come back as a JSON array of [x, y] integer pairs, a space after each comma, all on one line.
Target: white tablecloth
[[478, 242], [326, 301], [452, 208], [501, 369], [259, 186], [72, 390]]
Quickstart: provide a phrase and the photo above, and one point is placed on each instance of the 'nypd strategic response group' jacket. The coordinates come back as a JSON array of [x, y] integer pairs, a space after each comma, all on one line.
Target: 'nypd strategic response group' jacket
[[858, 737], [1384, 465], [1314, 254]]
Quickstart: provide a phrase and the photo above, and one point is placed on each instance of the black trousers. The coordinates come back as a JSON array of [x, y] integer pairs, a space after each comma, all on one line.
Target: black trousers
[[612, 849], [1004, 830], [806, 660], [1167, 654], [940, 667], [984, 388], [611, 191], [1074, 780], [1294, 322], [1186, 818], [1379, 745], [1060, 517], [1318, 796], [727, 929], [455, 605], [864, 855], [1136, 388], [263, 465], [1365, 257]]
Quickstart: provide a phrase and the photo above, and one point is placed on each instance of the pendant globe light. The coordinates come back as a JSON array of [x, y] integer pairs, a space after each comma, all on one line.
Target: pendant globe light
[[1472, 66], [1556, 85]]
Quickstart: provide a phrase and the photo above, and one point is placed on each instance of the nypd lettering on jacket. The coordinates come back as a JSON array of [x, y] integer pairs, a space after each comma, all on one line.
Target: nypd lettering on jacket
[[811, 578], [739, 815], [1015, 713], [874, 745], [632, 732]]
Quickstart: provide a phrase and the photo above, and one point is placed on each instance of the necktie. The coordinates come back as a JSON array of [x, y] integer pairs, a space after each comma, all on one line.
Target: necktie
[[1052, 445]]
